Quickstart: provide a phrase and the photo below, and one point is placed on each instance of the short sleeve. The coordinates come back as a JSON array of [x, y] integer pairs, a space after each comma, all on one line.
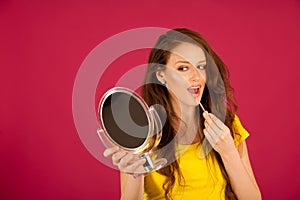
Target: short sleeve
[[240, 133]]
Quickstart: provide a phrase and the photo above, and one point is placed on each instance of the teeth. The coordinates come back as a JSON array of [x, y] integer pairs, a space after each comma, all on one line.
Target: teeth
[[194, 89]]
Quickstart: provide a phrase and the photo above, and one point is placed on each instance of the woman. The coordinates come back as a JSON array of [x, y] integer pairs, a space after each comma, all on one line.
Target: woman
[[183, 71]]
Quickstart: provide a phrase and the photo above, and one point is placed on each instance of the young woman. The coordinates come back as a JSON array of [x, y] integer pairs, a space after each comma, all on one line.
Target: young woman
[[183, 71]]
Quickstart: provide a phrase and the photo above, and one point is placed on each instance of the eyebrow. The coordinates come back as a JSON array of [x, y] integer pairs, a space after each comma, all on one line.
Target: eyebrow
[[187, 62]]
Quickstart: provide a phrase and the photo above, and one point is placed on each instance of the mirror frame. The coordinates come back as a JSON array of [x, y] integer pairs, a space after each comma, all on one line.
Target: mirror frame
[[146, 109]]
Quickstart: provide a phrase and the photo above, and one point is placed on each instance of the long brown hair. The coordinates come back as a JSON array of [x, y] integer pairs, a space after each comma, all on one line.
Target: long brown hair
[[217, 97]]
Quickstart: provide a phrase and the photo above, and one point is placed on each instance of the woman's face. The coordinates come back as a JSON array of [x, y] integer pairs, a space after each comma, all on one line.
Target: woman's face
[[185, 75]]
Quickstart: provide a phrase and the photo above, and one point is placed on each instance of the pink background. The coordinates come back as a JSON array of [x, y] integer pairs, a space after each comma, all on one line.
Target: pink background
[[42, 46]]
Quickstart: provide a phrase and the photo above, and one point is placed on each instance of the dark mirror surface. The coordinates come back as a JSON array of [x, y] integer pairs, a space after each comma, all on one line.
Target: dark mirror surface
[[125, 120]]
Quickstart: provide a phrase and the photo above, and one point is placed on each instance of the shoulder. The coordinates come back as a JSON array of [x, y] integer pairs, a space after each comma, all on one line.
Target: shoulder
[[239, 132]]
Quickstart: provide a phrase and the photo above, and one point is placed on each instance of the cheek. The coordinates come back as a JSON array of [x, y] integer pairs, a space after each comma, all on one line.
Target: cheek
[[177, 78], [176, 83], [203, 75]]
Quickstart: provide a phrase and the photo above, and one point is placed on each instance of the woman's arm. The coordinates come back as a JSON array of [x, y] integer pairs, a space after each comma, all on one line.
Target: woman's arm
[[240, 173], [236, 160], [131, 187]]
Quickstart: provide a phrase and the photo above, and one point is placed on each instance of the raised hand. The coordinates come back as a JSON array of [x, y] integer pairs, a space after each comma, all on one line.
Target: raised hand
[[218, 134]]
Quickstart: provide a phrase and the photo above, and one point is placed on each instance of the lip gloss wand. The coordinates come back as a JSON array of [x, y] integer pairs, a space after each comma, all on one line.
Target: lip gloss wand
[[205, 147], [202, 107]]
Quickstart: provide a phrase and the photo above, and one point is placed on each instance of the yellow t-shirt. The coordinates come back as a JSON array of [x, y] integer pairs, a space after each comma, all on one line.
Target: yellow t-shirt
[[202, 176]]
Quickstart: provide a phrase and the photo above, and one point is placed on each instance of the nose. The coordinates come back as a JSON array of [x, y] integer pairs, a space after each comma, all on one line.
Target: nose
[[195, 76]]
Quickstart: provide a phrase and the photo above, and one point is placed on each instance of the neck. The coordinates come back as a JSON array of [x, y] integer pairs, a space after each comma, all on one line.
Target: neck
[[188, 126]]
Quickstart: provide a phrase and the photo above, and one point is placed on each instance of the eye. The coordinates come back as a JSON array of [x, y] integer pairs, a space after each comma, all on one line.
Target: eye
[[183, 68], [202, 67]]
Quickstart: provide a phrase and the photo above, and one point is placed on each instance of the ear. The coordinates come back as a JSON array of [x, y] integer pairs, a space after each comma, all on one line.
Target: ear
[[160, 75]]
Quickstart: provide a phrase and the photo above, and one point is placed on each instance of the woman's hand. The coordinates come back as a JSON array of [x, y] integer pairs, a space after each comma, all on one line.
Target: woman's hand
[[126, 162], [218, 135]]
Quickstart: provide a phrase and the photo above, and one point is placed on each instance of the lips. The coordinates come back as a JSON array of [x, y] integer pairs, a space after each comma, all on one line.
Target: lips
[[194, 90]]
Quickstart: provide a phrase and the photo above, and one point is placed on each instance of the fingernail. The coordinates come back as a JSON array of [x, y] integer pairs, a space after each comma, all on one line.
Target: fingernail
[[105, 154], [116, 148]]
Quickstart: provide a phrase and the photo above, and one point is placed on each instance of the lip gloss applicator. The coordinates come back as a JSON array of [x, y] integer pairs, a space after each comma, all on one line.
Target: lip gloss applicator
[[200, 104], [206, 147], [202, 107]]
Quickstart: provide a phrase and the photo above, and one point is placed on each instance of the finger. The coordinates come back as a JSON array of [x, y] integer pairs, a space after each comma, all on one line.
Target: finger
[[136, 167], [205, 115], [135, 158], [214, 121], [212, 129], [209, 137], [217, 122], [110, 151], [209, 124], [117, 157], [125, 161], [209, 121]]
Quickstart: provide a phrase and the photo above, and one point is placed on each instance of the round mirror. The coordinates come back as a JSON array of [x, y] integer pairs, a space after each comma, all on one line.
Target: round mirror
[[127, 122]]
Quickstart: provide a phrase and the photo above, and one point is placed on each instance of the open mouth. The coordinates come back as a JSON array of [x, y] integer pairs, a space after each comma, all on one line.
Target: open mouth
[[194, 90]]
